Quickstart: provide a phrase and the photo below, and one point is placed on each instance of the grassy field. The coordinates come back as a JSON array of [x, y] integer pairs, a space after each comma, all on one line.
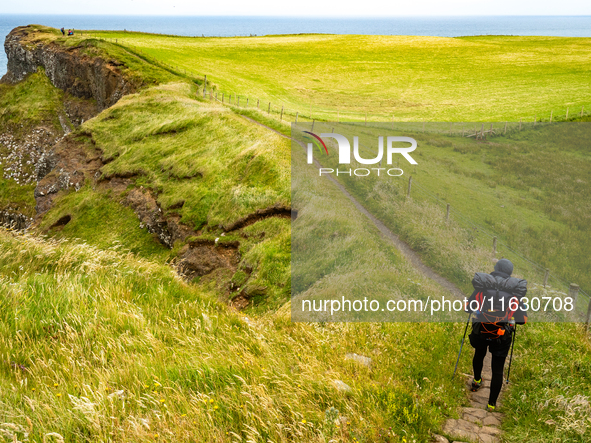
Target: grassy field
[[100, 340], [486, 78], [529, 189]]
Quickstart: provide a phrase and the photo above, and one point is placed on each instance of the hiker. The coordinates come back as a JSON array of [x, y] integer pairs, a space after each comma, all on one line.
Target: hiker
[[63, 31], [498, 297], [70, 32]]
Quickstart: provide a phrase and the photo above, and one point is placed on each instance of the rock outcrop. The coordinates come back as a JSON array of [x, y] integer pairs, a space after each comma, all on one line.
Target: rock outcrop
[[68, 68]]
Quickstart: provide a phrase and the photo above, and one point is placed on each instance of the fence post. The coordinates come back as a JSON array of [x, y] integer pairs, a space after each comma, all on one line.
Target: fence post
[[482, 132], [447, 213], [269, 109], [566, 114], [409, 186], [313, 121], [204, 85], [247, 103], [546, 275], [573, 291], [582, 108], [223, 97], [505, 130], [297, 117], [551, 114], [238, 101], [535, 119], [494, 245], [258, 102], [281, 118]]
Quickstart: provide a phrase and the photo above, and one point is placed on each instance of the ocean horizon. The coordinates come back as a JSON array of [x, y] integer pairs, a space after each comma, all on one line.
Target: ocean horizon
[[228, 26]]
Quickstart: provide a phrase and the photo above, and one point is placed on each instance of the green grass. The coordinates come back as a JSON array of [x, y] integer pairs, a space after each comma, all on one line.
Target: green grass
[[406, 78], [526, 188], [99, 219], [99, 345]]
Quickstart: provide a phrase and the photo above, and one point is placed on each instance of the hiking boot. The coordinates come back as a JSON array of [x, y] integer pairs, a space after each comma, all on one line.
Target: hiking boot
[[490, 408], [476, 384]]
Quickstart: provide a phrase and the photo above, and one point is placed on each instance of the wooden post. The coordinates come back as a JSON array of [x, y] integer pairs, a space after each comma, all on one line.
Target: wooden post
[[409, 186], [269, 108], [310, 110], [204, 85], [566, 114], [223, 97], [313, 121], [505, 130], [463, 130], [491, 128], [551, 115], [582, 109], [281, 118], [520, 124], [535, 119], [546, 275], [482, 131], [258, 102], [238, 100], [297, 117], [247, 103], [447, 213], [573, 291], [494, 245]]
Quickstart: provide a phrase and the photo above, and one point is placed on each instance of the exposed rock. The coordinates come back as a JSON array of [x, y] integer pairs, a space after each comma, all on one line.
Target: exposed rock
[[68, 68], [439, 439], [150, 214], [365, 361], [14, 220], [341, 386], [70, 165]]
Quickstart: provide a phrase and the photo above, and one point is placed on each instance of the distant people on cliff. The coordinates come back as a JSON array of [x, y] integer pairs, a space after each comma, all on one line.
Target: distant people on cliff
[[70, 32], [63, 31]]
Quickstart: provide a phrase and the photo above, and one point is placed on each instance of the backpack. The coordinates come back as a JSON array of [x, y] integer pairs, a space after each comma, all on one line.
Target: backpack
[[493, 316]]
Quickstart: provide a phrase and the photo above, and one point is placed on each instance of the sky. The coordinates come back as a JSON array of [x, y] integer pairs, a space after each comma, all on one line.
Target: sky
[[326, 8]]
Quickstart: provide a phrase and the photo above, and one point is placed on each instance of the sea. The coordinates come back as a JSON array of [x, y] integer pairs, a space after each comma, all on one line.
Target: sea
[[564, 26]]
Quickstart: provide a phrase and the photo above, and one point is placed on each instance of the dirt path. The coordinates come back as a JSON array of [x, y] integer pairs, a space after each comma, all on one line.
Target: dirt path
[[404, 249]]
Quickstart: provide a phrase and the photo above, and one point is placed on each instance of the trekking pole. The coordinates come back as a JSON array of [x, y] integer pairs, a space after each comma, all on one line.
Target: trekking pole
[[462, 345], [511, 358]]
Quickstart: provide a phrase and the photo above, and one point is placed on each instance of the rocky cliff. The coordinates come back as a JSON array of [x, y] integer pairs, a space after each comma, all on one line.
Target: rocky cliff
[[68, 68]]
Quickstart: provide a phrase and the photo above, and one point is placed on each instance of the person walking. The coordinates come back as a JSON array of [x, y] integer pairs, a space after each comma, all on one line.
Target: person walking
[[496, 303], [63, 31]]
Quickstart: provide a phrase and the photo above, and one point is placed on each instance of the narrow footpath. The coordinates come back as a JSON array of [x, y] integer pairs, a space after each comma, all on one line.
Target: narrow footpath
[[476, 425]]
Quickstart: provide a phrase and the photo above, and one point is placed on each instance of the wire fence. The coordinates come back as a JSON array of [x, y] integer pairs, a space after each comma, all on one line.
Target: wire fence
[[542, 276]]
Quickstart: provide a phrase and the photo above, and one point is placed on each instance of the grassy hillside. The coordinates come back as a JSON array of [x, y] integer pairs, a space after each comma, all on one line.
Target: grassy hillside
[[101, 345], [530, 189], [407, 78]]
